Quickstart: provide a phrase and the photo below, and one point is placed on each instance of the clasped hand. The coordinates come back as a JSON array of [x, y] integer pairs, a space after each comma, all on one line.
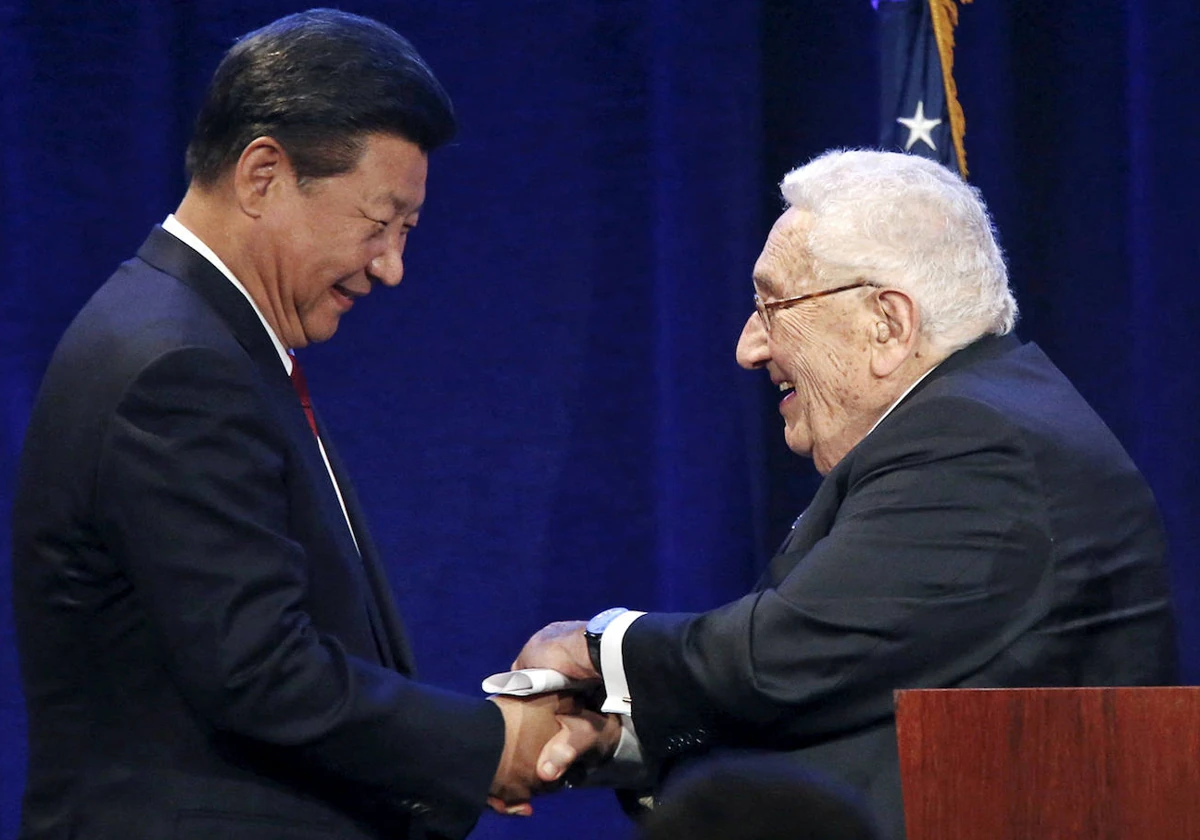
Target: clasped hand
[[546, 734]]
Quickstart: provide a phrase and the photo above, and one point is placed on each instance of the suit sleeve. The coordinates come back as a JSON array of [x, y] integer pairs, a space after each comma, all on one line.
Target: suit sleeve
[[192, 496], [936, 561]]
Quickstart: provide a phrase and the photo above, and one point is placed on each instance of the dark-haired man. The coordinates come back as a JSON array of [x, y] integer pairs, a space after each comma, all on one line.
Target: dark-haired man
[[208, 645]]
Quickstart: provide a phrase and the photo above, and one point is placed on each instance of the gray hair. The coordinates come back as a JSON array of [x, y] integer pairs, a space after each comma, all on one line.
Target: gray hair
[[907, 222]]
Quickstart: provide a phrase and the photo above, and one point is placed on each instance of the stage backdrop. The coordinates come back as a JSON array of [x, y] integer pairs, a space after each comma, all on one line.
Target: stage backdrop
[[546, 418]]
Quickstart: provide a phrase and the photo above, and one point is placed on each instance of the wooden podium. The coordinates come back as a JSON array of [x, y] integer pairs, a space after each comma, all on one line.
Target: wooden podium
[[1050, 763]]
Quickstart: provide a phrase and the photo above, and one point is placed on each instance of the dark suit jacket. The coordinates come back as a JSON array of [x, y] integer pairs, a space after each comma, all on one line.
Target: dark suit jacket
[[203, 651], [990, 532]]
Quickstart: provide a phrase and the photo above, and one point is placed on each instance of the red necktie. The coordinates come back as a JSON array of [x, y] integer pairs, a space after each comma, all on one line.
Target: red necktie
[[301, 386]]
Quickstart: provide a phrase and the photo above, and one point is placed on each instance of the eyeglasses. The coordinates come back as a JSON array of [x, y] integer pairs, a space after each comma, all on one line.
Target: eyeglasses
[[765, 307]]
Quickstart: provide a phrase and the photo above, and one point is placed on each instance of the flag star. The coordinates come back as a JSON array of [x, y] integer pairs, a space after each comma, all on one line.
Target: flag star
[[919, 127]]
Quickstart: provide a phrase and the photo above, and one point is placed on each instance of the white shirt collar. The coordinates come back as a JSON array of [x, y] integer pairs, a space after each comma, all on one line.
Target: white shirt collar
[[175, 227]]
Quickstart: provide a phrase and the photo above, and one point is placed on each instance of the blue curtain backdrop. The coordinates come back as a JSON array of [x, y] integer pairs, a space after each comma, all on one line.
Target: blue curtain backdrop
[[546, 418]]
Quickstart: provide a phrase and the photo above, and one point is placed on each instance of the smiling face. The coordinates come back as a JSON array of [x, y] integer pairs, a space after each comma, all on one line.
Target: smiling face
[[817, 351], [320, 246]]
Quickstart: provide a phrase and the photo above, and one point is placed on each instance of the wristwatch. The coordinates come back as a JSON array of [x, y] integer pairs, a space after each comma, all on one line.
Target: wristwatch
[[595, 630]]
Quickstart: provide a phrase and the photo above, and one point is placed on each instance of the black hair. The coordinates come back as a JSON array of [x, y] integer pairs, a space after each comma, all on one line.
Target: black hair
[[318, 82]]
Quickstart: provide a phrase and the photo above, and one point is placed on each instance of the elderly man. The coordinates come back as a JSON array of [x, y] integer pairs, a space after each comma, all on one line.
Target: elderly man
[[977, 526], [208, 645]]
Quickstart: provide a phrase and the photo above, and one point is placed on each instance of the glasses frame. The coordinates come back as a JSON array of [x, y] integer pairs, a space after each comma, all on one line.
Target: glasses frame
[[766, 307]]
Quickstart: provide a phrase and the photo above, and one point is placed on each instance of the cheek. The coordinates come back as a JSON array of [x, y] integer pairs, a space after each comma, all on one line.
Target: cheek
[[797, 348], [819, 362]]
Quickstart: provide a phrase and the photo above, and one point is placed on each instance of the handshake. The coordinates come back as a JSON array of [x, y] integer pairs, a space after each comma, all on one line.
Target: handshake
[[545, 735]]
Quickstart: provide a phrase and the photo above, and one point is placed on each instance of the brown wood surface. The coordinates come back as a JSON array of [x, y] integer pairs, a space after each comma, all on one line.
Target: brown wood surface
[[1050, 763]]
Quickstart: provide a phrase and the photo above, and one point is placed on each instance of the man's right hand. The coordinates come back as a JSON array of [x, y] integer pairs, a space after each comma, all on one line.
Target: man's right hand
[[544, 735], [585, 740]]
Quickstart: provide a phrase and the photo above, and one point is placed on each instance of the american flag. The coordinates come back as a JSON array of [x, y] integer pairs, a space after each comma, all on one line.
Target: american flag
[[920, 110]]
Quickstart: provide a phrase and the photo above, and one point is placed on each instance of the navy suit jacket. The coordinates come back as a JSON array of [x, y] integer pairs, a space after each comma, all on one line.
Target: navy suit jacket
[[204, 652], [990, 532]]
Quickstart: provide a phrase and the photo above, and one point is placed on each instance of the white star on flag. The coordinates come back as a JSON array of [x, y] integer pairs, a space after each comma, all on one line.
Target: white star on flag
[[919, 128]]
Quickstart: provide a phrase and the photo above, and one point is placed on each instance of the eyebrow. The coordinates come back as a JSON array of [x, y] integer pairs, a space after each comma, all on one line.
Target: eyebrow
[[398, 205], [403, 209], [763, 284]]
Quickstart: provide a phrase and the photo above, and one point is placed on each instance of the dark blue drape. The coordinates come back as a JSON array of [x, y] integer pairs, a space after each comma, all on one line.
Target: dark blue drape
[[546, 418]]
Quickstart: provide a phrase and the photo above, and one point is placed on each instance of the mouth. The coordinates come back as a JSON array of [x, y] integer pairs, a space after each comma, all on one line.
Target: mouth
[[786, 390], [345, 296]]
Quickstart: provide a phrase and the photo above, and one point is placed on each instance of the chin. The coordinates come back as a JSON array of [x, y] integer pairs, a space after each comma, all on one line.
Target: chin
[[316, 333], [798, 443]]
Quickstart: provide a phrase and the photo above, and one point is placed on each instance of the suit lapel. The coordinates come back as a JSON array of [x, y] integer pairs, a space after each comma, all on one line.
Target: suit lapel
[[385, 618], [168, 254], [172, 256], [811, 526]]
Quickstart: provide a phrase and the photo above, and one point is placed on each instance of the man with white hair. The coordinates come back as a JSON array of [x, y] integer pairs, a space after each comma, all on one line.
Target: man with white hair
[[978, 524]]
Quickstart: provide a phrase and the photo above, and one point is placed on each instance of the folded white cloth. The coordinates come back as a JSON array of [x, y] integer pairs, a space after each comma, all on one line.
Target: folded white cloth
[[528, 681]]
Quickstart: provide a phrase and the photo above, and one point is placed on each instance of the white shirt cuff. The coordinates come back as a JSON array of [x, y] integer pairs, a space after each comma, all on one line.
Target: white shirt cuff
[[612, 664]]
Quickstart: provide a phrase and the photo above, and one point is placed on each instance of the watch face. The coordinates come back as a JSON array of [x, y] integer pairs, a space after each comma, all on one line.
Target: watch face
[[601, 620]]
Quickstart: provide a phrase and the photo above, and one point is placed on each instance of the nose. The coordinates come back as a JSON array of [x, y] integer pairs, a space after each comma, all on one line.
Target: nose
[[752, 349], [388, 267]]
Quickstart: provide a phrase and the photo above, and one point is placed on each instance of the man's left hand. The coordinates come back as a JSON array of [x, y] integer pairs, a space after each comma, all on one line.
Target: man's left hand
[[560, 646]]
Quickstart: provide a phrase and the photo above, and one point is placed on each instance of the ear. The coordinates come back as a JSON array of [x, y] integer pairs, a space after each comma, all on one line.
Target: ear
[[893, 334], [263, 168]]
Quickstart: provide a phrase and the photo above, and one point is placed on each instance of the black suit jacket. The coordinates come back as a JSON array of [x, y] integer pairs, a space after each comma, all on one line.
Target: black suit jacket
[[990, 532], [204, 652]]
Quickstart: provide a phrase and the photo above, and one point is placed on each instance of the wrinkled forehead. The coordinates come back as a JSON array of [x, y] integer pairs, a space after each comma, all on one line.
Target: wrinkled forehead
[[785, 267]]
